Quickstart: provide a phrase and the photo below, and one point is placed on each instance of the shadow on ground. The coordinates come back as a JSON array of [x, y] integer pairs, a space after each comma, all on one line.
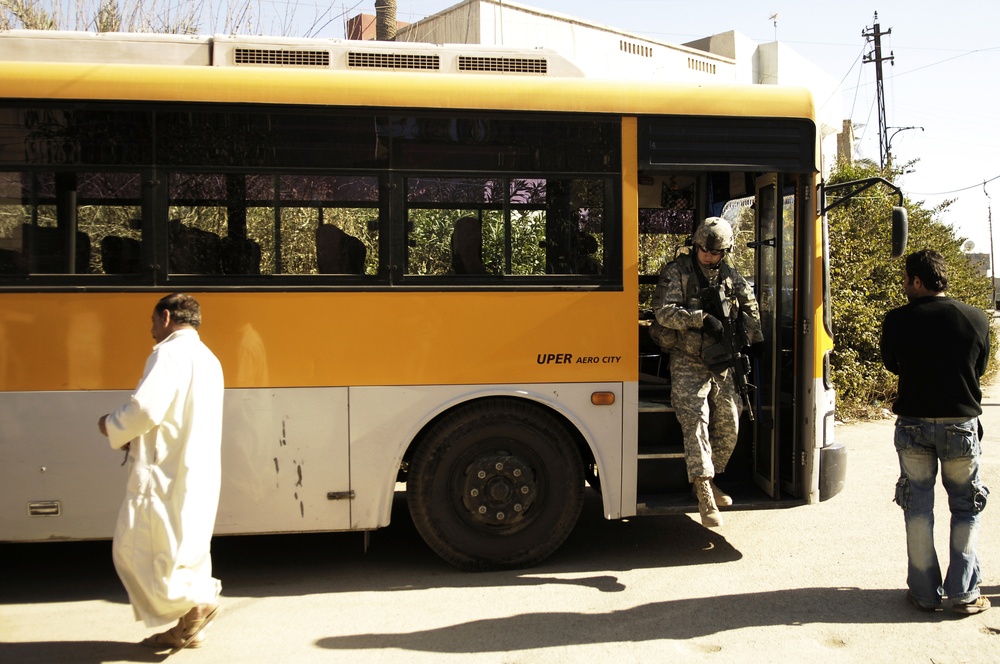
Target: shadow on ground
[[397, 559], [673, 620]]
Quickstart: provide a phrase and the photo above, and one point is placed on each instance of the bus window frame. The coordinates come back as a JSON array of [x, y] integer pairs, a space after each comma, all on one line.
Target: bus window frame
[[391, 205]]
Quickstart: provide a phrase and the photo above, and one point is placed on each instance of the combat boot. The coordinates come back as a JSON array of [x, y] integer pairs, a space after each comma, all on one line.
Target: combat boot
[[711, 517], [722, 499]]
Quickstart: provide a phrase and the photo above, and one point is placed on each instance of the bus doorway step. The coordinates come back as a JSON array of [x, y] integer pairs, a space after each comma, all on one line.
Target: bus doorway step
[[681, 503]]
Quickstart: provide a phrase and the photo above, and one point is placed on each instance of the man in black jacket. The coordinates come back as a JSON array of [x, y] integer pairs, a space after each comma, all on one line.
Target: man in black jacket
[[939, 348]]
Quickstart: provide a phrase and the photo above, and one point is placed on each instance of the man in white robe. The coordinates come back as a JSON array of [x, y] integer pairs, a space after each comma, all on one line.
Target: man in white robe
[[172, 429]]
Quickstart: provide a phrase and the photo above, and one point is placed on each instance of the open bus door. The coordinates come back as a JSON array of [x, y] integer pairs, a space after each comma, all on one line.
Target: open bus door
[[767, 288]]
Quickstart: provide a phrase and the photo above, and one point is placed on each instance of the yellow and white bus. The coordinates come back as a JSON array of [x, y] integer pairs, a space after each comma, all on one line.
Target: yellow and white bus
[[417, 264]]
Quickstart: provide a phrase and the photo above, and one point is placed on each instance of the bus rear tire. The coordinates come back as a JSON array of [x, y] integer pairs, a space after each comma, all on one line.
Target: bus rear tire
[[497, 484]]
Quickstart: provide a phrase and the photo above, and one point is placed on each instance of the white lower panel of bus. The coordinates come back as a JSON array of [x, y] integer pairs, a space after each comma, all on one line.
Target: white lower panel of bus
[[293, 459], [285, 452], [385, 420]]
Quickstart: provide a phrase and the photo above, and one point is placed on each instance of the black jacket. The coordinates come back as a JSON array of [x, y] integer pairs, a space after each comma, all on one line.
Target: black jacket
[[939, 348]]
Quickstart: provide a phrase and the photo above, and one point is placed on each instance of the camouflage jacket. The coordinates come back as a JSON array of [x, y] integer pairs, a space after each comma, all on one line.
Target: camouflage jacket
[[679, 316]]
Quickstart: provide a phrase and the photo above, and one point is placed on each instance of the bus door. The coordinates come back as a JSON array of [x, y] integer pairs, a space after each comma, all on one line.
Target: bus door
[[767, 290]]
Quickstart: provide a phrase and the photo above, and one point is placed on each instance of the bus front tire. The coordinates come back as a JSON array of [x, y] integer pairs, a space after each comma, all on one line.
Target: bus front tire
[[497, 484]]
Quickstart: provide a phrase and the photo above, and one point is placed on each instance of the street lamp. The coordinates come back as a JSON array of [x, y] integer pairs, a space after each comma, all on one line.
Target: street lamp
[[888, 141]]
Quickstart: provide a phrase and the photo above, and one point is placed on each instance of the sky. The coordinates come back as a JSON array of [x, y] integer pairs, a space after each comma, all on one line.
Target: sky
[[944, 76], [943, 79]]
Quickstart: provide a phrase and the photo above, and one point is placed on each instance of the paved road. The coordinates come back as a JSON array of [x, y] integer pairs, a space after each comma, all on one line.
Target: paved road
[[818, 583]]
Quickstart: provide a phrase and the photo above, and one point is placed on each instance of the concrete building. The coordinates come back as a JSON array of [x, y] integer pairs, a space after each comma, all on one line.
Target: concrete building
[[606, 52]]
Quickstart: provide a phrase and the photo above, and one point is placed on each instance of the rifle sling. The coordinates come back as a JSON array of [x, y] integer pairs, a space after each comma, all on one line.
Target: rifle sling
[[702, 279]]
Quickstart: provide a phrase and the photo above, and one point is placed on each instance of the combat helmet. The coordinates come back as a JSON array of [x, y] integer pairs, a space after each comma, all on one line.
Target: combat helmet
[[714, 234]]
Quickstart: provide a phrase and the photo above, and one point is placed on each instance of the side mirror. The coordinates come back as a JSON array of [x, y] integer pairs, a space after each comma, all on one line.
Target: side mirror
[[900, 230], [900, 225]]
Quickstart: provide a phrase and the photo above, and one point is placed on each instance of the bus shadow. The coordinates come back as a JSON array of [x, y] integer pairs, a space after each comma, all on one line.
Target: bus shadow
[[77, 652], [672, 620], [396, 559]]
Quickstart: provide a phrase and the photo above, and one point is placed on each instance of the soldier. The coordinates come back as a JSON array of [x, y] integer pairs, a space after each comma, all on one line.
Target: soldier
[[703, 394]]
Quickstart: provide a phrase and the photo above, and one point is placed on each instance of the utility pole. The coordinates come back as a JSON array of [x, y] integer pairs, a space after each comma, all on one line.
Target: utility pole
[[993, 263], [875, 34]]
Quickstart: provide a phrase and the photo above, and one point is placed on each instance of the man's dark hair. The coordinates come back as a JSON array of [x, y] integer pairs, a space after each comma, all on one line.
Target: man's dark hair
[[183, 309], [929, 265]]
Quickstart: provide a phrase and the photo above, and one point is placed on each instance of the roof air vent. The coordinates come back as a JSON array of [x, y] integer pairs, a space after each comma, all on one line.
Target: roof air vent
[[281, 57], [509, 65], [363, 60]]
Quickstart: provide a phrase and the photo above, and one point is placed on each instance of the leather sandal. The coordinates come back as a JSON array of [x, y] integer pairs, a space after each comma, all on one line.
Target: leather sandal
[[168, 640], [191, 628]]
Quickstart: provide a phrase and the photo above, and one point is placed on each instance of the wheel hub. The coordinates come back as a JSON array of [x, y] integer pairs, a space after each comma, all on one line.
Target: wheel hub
[[499, 489]]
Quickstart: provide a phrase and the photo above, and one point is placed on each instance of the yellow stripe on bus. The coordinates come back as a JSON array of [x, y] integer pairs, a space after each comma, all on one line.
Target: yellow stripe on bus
[[98, 341]]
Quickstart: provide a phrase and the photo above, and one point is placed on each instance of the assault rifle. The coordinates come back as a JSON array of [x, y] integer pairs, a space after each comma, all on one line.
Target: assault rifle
[[727, 352]]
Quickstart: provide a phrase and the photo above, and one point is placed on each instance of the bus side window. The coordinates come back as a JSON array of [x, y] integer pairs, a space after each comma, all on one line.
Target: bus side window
[[44, 215], [220, 223]]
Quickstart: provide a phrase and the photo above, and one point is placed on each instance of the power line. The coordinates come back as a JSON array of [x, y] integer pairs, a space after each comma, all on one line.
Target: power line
[[955, 191], [940, 62]]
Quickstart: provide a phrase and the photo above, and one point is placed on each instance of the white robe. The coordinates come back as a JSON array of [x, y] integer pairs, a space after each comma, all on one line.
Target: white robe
[[163, 535]]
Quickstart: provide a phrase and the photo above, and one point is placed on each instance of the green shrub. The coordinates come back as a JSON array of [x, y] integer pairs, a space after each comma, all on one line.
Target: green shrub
[[866, 283]]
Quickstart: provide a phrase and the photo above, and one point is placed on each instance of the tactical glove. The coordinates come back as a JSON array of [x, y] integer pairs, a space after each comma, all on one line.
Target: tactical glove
[[713, 326]]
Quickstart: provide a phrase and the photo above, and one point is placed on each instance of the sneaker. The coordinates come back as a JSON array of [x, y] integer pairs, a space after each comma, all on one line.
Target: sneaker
[[969, 608], [915, 603]]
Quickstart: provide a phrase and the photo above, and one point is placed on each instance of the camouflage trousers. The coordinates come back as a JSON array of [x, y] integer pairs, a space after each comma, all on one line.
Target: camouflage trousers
[[708, 410]]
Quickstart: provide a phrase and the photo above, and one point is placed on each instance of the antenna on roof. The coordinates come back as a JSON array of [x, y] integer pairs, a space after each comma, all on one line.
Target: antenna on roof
[[774, 17]]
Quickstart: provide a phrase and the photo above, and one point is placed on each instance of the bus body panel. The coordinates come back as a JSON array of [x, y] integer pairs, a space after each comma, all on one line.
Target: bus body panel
[[54, 462], [283, 452], [285, 460], [629, 481], [386, 420], [29, 80], [396, 338]]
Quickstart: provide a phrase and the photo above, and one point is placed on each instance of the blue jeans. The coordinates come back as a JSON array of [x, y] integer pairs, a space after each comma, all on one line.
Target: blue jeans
[[920, 444]]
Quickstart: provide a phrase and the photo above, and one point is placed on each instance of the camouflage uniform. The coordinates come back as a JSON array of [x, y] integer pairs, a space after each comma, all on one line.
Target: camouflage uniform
[[706, 403]]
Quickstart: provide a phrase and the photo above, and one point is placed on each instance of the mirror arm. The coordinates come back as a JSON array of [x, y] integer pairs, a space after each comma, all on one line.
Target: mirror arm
[[861, 185]]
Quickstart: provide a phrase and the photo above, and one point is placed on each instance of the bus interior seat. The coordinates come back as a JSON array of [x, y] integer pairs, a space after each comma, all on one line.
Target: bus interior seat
[[467, 246], [121, 255], [194, 251], [240, 255], [45, 245], [586, 247], [337, 252], [12, 262]]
